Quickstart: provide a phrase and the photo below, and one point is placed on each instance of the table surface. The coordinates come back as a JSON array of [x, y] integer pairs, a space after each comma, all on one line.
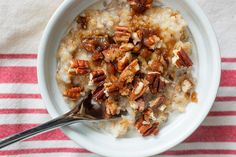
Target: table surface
[[21, 107]]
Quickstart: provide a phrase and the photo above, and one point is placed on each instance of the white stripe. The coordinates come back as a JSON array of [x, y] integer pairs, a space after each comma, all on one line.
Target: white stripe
[[21, 103], [24, 118], [229, 66], [226, 91], [43, 144], [18, 62], [206, 145], [18, 88], [219, 120], [224, 106]]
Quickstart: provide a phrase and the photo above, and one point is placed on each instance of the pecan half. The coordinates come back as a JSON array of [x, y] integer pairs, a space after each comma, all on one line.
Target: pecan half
[[122, 34], [72, 93], [181, 59], [95, 44], [79, 67], [140, 6], [112, 107], [156, 84], [111, 71], [129, 72], [112, 89], [98, 77], [146, 129], [98, 94], [138, 90]]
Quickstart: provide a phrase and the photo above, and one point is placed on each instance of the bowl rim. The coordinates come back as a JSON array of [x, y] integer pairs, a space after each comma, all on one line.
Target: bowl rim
[[43, 88]]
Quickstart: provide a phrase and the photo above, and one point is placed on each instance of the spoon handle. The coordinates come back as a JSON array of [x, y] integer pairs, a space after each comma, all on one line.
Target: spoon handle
[[55, 123]]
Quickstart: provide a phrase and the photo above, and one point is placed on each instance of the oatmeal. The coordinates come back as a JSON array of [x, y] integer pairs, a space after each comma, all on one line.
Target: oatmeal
[[132, 56]]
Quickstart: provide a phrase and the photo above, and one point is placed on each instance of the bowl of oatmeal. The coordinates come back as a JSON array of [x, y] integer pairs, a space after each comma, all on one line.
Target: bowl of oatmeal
[[152, 60]]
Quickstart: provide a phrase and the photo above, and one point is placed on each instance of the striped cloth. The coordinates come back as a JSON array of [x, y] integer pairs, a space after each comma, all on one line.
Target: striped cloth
[[21, 106]]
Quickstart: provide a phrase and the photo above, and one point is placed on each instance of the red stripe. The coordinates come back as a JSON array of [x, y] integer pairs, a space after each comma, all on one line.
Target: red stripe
[[20, 96], [213, 134], [23, 111], [228, 60], [228, 78], [18, 56], [226, 98], [10, 129], [17, 74], [202, 134], [222, 113], [199, 151], [43, 150]]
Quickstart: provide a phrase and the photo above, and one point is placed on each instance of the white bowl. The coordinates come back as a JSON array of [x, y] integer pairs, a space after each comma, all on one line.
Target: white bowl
[[179, 127]]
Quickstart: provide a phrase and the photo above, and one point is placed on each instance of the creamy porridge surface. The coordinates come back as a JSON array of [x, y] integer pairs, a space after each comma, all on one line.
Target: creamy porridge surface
[[132, 56]]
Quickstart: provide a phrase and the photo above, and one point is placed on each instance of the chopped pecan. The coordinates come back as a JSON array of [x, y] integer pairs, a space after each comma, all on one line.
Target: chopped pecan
[[79, 67], [98, 77], [112, 107], [138, 105], [126, 47], [156, 84], [89, 44], [111, 71], [112, 89], [97, 56], [124, 62], [152, 42], [137, 47], [146, 129], [194, 97], [129, 72], [95, 44], [155, 104], [181, 59], [140, 6], [145, 53], [111, 53], [138, 90], [98, 93], [73, 93], [137, 36], [125, 88], [122, 34]]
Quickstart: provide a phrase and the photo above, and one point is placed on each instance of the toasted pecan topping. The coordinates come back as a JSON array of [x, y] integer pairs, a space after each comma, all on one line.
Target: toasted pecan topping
[[79, 67], [183, 59], [72, 93], [98, 77], [138, 90], [95, 44], [98, 93], [140, 104], [126, 47], [157, 102], [111, 53], [146, 128], [140, 6], [112, 89], [156, 84], [129, 72], [145, 53], [122, 34], [124, 62]]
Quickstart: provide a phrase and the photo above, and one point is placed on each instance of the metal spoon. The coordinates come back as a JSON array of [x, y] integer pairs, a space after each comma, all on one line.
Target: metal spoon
[[85, 110]]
